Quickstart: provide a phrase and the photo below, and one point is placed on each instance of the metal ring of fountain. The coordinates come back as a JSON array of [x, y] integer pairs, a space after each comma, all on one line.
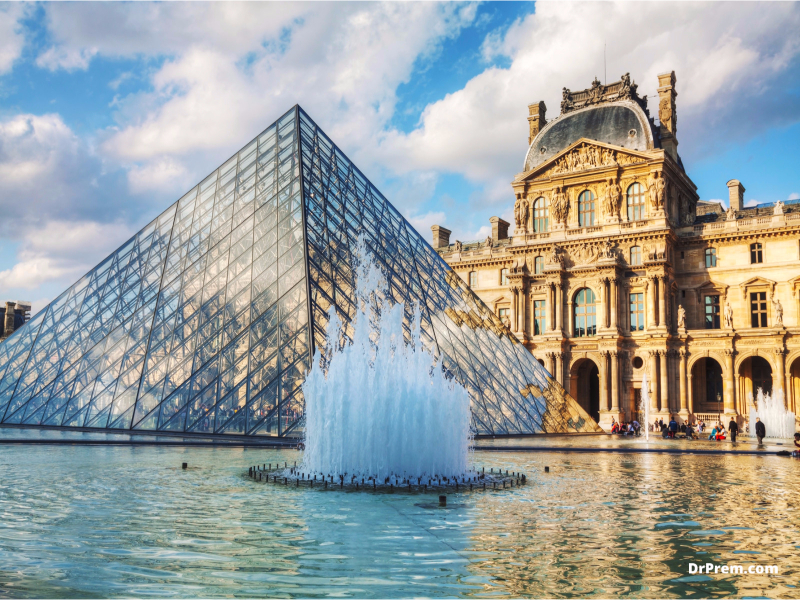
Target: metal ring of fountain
[[474, 481]]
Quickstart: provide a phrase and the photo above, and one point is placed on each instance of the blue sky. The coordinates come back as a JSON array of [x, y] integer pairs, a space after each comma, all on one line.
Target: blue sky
[[110, 111]]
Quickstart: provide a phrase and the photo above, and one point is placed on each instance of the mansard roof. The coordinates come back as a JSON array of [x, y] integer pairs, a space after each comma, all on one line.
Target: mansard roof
[[611, 113]]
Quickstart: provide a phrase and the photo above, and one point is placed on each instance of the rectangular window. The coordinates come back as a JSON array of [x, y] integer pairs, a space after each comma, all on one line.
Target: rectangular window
[[539, 318], [758, 309], [503, 313], [756, 253], [711, 257], [712, 311], [538, 264], [473, 279], [637, 312], [636, 255], [503, 276]]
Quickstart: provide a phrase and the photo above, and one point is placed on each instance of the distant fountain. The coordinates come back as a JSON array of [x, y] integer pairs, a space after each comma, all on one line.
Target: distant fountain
[[778, 421], [646, 402], [381, 407]]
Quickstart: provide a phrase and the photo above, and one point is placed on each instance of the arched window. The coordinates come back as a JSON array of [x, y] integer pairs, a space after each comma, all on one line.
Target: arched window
[[541, 215], [636, 255], [585, 313], [473, 279], [635, 202], [711, 257], [586, 209], [538, 264], [503, 276]]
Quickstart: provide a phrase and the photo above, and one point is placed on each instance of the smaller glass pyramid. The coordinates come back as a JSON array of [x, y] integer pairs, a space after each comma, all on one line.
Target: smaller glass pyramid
[[205, 321]]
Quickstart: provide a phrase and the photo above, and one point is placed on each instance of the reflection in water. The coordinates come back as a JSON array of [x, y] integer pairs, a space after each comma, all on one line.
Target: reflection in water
[[115, 521]]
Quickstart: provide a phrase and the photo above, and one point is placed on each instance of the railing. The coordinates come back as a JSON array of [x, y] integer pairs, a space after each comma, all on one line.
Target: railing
[[708, 418]]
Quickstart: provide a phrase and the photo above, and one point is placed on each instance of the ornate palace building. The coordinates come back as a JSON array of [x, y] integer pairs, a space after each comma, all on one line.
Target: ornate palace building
[[618, 270]]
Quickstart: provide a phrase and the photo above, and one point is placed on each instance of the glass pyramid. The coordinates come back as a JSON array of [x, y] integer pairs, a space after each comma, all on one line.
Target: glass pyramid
[[206, 320]]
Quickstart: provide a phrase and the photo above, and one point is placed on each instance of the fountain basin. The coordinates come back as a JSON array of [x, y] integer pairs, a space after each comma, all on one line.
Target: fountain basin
[[468, 482]]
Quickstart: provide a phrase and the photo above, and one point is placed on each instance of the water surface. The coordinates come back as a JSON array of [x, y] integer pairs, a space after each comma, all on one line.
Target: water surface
[[116, 521]]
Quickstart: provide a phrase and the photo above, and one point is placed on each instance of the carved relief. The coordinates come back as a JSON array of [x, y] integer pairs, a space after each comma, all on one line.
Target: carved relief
[[582, 158]]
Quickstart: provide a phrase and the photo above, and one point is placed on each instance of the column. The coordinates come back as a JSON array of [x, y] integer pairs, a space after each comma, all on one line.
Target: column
[[560, 368], [570, 320], [604, 405], [602, 323], [652, 292], [690, 392], [551, 313], [737, 385], [682, 383], [513, 309], [614, 381], [653, 383], [523, 303], [780, 380], [662, 301], [664, 391], [559, 307], [728, 400], [614, 301], [551, 363]]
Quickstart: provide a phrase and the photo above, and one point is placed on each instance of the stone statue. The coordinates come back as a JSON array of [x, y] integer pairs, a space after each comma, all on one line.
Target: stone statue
[[566, 101], [657, 189], [778, 312], [728, 315], [611, 198], [730, 214], [457, 246], [518, 214], [681, 317], [778, 210], [523, 210], [559, 206], [488, 242], [625, 88]]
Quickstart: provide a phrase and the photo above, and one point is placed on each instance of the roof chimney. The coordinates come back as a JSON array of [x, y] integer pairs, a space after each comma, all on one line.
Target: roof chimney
[[667, 113], [736, 194], [9, 324], [441, 236], [536, 119], [499, 229]]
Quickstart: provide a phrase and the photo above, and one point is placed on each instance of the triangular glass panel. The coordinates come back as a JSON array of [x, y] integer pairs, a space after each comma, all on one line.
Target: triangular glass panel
[[206, 320]]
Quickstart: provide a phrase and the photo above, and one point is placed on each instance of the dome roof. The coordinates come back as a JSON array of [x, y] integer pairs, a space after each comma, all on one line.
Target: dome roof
[[622, 124]]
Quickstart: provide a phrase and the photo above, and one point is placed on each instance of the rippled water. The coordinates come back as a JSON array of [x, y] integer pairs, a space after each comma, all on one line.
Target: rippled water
[[121, 521]]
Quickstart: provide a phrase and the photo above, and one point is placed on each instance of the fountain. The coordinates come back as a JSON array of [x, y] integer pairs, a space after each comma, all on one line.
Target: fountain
[[381, 405], [778, 421], [646, 402]]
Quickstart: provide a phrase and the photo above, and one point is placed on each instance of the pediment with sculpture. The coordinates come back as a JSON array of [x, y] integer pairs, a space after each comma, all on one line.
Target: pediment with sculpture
[[585, 155]]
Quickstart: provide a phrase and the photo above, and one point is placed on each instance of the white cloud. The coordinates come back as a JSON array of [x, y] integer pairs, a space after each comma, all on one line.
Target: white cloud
[[341, 62], [423, 223], [158, 175], [62, 251], [794, 196], [726, 56], [12, 38]]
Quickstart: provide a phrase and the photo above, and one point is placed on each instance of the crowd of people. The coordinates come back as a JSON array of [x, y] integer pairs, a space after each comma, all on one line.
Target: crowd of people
[[696, 430]]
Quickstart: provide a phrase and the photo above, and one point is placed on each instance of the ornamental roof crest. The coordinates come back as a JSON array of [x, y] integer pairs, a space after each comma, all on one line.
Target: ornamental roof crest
[[624, 89]]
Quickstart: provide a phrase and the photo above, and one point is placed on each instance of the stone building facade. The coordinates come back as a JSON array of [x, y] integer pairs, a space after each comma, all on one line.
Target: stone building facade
[[13, 316], [617, 269]]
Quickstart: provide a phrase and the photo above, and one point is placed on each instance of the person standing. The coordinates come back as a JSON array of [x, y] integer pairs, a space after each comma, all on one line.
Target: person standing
[[761, 431], [733, 428]]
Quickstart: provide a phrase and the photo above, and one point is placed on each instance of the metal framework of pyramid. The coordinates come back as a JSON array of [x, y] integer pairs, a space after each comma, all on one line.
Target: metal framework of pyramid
[[206, 320]]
